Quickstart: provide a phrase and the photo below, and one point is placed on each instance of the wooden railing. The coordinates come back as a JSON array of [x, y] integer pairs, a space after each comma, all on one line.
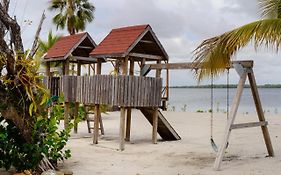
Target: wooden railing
[[126, 91]]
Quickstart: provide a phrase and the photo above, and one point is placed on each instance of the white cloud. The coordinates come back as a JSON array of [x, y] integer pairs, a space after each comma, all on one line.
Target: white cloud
[[179, 24]]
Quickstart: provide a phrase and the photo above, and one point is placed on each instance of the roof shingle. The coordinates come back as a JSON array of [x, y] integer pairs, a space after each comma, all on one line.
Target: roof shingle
[[64, 45], [119, 40]]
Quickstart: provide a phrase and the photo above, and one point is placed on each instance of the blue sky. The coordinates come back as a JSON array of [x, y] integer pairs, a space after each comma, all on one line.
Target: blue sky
[[180, 25]]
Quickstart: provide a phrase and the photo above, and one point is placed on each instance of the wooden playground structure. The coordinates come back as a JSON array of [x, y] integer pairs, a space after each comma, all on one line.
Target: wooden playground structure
[[125, 48]]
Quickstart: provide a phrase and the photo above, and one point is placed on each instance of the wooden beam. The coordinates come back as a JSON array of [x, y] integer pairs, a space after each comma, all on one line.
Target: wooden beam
[[53, 59], [147, 56], [97, 111], [96, 124], [66, 104], [48, 69], [86, 47], [89, 59], [260, 113], [154, 126], [191, 65], [147, 42], [248, 125], [129, 110], [232, 115], [76, 107], [122, 129], [123, 111]]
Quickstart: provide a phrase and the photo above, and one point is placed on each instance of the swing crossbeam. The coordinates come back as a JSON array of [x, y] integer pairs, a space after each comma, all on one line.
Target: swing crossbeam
[[192, 65], [245, 70]]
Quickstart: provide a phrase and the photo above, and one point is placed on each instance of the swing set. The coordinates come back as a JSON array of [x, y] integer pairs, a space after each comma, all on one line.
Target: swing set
[[244, 70]]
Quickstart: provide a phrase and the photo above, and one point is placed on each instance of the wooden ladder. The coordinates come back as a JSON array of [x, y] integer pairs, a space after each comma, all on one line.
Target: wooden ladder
[[90, 119]]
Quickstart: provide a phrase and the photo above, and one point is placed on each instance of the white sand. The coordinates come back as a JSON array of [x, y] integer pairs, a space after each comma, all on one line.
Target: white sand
[[193, 154]]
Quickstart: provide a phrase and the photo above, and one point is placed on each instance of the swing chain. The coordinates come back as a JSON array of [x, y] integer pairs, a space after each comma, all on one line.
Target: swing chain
[[227, 93], [212, 104]]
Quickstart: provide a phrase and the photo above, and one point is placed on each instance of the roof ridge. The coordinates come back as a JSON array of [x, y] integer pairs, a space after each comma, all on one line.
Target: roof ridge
[[77, 34], [143, 26]]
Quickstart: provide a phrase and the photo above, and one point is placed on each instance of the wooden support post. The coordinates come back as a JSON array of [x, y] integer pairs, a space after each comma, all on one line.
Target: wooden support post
[[48, 69], [129, 110], [123, 111], [96, 124], [167, 84], [155, 112], [97, 111], [89, 69], [122, 129], [260, 113], [154, 126], [158, 71], [66, 104], [232, 115], [76, 107]]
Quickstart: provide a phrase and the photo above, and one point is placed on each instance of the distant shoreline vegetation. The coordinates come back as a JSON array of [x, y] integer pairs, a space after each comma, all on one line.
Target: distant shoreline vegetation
[[230, 86]]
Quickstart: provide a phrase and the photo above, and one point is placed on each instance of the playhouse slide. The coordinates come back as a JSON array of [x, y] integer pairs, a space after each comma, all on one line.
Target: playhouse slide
[[165, 130]]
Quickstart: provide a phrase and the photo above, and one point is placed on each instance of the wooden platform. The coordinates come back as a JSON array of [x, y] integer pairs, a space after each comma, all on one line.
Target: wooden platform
[[165, 130]]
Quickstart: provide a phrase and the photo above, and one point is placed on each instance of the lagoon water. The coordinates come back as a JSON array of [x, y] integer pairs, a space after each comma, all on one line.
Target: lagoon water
[[194, 99]]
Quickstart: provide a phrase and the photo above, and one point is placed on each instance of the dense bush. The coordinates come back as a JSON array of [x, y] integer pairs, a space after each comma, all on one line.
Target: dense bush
[[47, 140]]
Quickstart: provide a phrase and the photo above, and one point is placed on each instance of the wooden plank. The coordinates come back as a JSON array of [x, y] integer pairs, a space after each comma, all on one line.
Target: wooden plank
[[232, 115], [140, 92], [125, 90], [192, 65], [248, 125], [260, 113], [137, 90], [147, 56], [94, 89]]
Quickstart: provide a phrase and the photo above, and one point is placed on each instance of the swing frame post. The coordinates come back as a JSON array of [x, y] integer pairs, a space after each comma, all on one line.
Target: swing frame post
[[245, 70]]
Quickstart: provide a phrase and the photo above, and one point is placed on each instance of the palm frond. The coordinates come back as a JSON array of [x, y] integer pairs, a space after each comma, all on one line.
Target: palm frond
[[270, 8], [215, 54]]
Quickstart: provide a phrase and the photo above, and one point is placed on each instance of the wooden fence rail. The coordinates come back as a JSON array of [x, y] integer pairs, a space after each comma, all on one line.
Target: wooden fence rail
[[126, 91]]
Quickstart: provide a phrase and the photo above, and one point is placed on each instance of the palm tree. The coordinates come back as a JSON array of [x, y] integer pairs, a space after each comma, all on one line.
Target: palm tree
[[216, 53], [44, 46], [74, 14]]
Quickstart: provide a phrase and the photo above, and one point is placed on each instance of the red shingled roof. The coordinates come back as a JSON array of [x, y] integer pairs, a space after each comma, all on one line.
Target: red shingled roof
[[119, 40], [64, 45]]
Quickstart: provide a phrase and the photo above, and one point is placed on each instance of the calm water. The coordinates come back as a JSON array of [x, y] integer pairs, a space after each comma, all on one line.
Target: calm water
[[194, 99]]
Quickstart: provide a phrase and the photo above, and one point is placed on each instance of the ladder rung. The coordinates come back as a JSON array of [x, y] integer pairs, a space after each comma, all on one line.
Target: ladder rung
[[90, 119], [248, 125]]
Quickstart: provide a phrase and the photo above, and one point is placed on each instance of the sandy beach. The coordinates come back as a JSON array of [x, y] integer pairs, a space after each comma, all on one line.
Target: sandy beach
[[192, 154]]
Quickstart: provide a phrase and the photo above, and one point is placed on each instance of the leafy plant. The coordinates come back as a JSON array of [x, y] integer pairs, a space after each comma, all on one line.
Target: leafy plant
[[47, 140]]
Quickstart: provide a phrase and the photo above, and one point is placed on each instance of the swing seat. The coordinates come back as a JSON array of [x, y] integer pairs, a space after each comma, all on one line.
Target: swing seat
[[214, 146]]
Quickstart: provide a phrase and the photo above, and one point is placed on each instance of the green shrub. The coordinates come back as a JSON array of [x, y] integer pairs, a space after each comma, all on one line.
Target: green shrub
[[47, 140]]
